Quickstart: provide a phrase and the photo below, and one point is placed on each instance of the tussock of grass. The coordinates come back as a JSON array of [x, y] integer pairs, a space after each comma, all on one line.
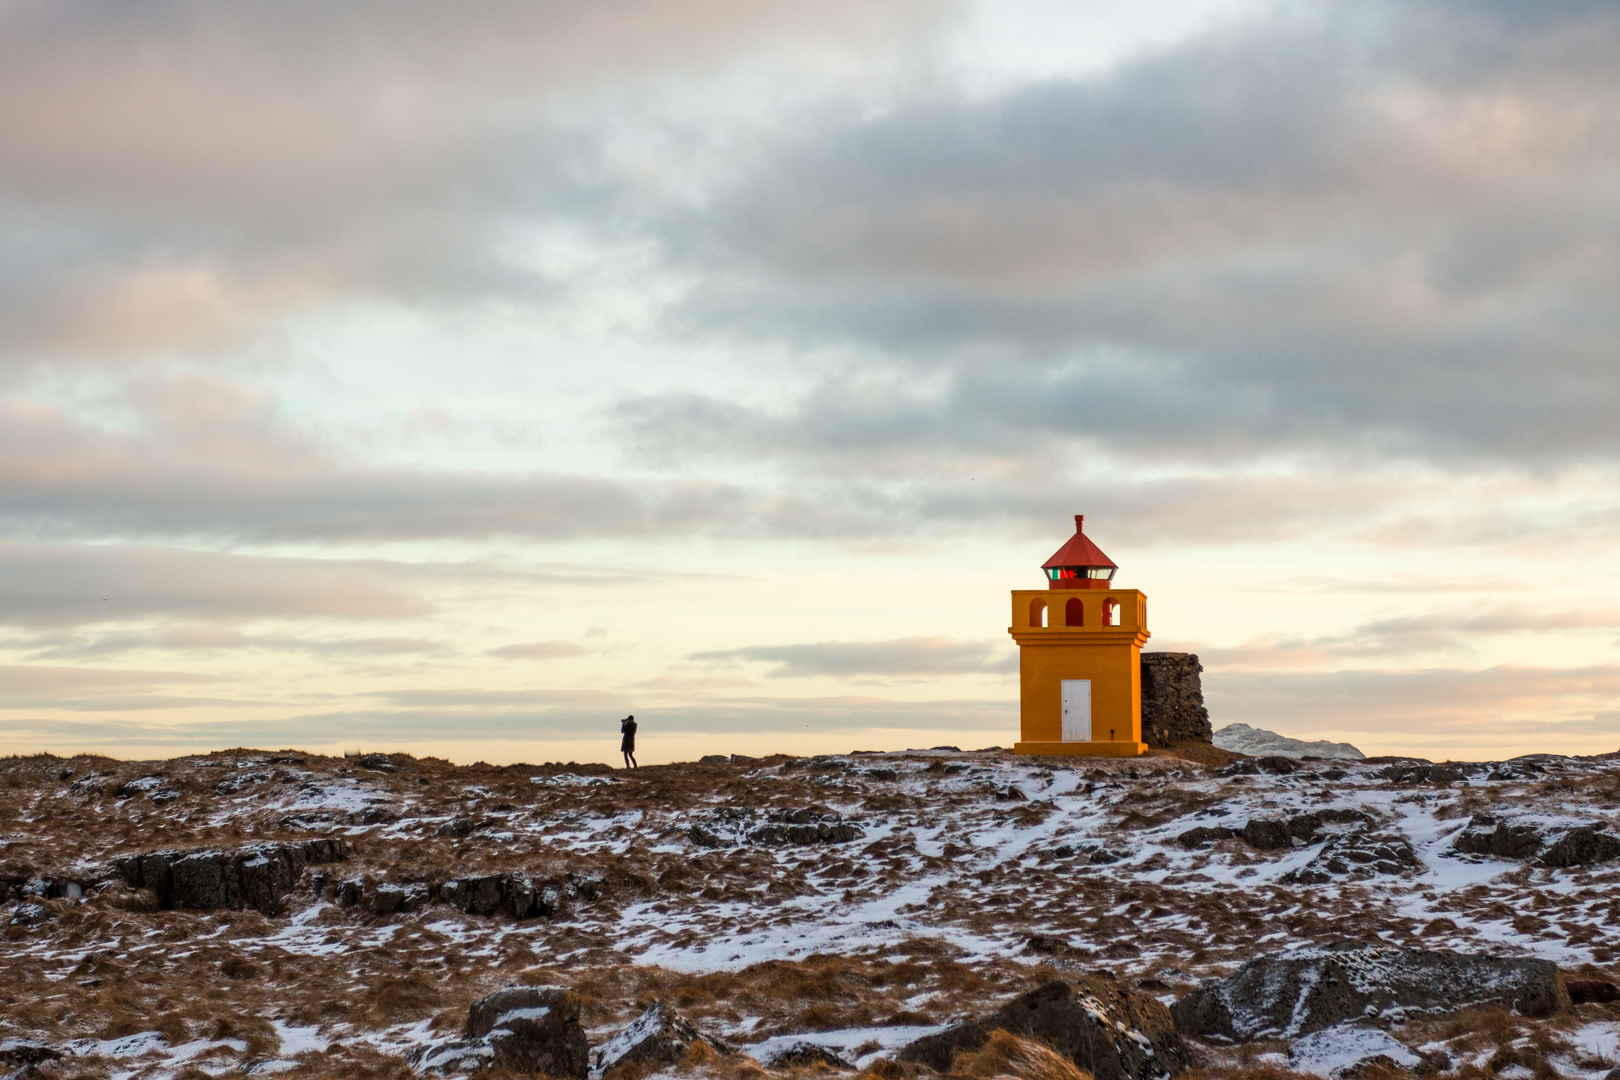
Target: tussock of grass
[[1007, 1055]]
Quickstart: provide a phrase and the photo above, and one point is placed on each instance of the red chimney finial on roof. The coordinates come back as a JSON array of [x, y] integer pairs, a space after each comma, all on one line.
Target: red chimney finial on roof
[[1079, 523]]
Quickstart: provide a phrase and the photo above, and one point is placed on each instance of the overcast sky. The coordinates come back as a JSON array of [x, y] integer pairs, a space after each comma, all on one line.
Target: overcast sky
[[459, 378]]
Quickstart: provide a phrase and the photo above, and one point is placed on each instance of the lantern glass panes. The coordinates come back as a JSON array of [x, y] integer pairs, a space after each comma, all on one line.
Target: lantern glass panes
[[1070, 573]]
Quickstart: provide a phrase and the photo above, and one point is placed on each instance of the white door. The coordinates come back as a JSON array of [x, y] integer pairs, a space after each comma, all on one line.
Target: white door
[[1076, 710]]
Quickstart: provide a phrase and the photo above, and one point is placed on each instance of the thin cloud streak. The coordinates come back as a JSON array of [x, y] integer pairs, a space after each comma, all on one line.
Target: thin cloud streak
[[913, 657]]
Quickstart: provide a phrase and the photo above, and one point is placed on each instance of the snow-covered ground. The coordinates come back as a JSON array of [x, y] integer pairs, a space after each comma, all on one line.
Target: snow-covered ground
[[971, 875]]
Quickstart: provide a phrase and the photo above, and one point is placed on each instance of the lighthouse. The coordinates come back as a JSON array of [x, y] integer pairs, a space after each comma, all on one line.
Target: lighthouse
[[1079, 656]]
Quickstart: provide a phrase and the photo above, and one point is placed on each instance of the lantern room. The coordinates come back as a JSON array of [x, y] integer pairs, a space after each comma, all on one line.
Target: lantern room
[[1079, 564], [1079, 656]]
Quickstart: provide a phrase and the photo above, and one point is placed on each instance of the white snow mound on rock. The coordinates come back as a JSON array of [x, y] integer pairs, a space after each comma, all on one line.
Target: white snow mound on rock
[[1258, 742], [1334, 1051]]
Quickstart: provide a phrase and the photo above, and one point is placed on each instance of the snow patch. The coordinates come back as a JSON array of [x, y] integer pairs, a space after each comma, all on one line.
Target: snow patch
[[1332, 1051]]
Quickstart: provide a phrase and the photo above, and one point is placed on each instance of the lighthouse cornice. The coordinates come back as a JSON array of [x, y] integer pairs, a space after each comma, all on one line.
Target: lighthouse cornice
[[1108, 636]]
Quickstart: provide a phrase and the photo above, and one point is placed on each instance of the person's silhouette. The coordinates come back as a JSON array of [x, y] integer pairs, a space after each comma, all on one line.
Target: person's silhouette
[[627, 745]]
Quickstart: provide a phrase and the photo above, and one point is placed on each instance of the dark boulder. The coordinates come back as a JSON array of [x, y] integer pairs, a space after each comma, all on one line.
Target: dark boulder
[[1576, 845], [1307, 826], [134, 789], [657, 1038], [1113, 1032], [532, 1029], [805, 1054], [27, 1053], [325, 849], [805, 826], [52, 888], [513, 894], [703, 836], [1581, 846], [32, 915], [527, 900], [1423, 772], [256, 876], [457, 828], [397, 899], [482, 895], [1094, 854], [1591, 991], [523, 1029], [1205, 835], [1486, 835], [1356, 855], [1305, 990], [714, 759], [1529, 767], [1267, 835], [1254, 766]]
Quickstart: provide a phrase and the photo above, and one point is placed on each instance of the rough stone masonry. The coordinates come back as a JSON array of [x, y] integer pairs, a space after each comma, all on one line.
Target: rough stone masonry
[[1173, 699]]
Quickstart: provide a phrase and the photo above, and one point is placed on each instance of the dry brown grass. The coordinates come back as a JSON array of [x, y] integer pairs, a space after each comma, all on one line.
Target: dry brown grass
[[392, 998], [1199, 753], [818, 993], [1007, 1055]]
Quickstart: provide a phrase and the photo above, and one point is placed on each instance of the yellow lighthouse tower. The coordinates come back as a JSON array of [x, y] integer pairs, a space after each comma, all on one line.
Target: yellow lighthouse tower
[[1079, 657]]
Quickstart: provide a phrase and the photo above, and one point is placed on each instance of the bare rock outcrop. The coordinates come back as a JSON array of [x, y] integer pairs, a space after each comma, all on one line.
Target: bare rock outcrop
[[1258, 742], [1113, 1032], [1426, 772], [25, 1054], [1304, 990], [1582, 846], [1552, 845], [806, 1054], [32, 915], [1489, 836], [524, 1029], [256, 876], [1277, 834], [514, 894], [658, 1037], [736, 826], [1358, 854], [1204, 835]]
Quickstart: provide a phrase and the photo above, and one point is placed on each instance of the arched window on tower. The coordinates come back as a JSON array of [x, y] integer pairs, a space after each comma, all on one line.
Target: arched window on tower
[[1074, 613], [1110, 612], [1037, 612]]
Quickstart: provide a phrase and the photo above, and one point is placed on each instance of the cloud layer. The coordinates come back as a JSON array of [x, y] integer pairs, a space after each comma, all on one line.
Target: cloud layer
[[792, 316]]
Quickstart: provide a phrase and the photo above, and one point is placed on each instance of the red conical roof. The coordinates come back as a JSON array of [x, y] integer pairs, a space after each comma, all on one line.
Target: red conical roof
[[1079, 551]]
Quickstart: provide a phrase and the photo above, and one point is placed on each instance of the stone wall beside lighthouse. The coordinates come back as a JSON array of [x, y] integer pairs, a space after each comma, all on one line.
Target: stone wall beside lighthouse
[[1173, 699]]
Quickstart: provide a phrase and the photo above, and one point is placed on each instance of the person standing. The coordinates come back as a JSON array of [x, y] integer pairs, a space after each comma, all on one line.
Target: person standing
[[627, 745]]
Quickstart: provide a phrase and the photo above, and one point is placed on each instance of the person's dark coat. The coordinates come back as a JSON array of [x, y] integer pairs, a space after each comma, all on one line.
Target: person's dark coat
[[628, 744]]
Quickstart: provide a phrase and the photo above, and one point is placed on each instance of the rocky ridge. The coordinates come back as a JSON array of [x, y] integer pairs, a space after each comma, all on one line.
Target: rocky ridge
[[1258, 742]]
